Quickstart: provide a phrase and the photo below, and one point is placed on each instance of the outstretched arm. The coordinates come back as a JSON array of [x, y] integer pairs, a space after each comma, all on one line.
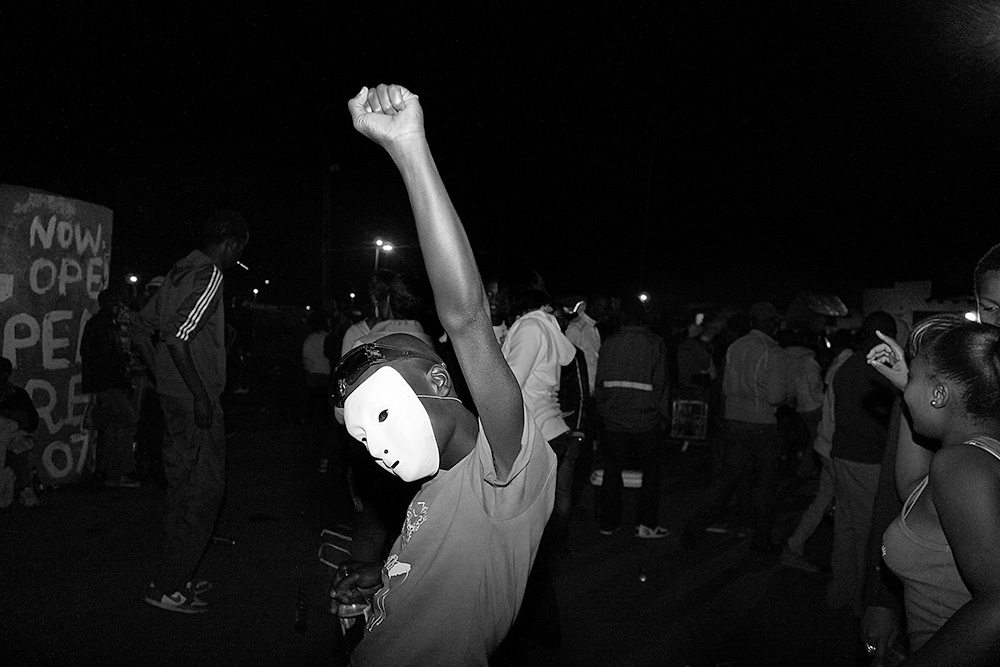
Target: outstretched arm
[[392, 117]]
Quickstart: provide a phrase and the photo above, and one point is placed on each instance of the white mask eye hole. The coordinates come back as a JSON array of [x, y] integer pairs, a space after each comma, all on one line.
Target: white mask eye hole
[[382, 416]]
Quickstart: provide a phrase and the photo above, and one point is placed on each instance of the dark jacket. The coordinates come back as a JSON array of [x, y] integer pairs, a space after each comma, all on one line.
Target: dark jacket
[[105, 364]]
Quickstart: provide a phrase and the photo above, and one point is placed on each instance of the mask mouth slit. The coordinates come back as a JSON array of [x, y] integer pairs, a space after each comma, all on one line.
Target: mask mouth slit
[[393, 466]]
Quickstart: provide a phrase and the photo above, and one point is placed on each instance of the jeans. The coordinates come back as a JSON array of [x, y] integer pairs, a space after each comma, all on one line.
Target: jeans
[[855, 485], [116, 419], [617, 448], [754, 450]]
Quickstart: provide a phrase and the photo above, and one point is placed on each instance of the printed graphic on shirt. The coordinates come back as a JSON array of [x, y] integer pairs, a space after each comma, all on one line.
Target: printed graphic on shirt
[[393, 568], [416, 514]]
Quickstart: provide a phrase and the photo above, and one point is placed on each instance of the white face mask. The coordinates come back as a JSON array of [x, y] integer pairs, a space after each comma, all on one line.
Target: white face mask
[[385, 414]]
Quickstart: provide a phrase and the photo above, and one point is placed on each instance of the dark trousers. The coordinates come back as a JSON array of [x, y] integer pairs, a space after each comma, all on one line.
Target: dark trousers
[[194, 462], [747, 449], [116, 420], [616, 449]]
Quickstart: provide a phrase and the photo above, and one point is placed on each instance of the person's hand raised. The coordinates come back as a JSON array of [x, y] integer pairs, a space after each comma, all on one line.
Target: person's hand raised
[[888, 359], [389, 115]]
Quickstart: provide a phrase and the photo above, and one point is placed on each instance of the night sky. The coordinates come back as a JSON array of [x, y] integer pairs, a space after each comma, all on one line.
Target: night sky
[[711, 151]]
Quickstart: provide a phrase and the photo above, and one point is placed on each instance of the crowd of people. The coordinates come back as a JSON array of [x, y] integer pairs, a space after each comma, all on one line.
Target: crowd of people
[[467, 413]]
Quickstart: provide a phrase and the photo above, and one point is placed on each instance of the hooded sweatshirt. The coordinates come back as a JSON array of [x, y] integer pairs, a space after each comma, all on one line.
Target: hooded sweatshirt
[[536, 349], [188, 308]]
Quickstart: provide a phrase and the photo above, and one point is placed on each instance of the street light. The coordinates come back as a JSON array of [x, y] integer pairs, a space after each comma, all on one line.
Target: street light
[[381, 246]]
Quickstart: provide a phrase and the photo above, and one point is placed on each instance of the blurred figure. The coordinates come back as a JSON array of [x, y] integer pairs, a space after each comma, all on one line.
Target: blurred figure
[[381, 497], [633, 399], [316, 367], [106, 376], [793, 554], [582, 331], [378, 294], [141, 345], [754, 386], [189, 313], [862, 406], [695, 366], [18, 421], [805, 388]]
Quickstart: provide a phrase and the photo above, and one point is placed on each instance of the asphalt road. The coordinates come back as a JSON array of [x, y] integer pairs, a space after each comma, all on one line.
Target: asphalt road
[[72, 574]]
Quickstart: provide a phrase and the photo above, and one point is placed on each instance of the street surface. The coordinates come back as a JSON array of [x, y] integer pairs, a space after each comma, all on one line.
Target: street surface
[[74, 571]]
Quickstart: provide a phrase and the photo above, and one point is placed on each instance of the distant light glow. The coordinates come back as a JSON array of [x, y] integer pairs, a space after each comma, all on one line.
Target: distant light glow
[[352, 295], [267, 282], [379, 243], [132, 278], [308, 307], [255, 291], [644, 296], [972, 316], [387, 247]]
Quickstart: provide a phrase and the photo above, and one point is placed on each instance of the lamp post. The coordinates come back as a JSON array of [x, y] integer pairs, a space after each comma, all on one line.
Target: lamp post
[[381, 246]]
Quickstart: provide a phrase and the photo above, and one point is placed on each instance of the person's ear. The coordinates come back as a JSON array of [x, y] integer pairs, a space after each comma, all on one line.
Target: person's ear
[[440, 379], [940, 396]]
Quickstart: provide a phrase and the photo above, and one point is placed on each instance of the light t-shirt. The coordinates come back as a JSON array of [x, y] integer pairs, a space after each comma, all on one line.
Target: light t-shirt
[[455, 576]]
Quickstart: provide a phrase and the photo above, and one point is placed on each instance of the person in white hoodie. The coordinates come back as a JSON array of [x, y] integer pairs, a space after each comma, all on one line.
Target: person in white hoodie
[[536, 350]]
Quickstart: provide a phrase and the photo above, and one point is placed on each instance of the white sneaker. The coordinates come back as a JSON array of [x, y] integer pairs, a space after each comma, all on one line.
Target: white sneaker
[[647, 533], [175, 602]]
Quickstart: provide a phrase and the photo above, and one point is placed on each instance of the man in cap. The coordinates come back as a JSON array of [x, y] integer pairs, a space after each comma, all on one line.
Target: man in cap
[[754, 385], [454, 579]]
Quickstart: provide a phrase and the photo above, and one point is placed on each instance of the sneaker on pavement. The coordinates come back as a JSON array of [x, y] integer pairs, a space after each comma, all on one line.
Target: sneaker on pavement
[[647, 533], [790, 558], [609, 531], [177, 601]]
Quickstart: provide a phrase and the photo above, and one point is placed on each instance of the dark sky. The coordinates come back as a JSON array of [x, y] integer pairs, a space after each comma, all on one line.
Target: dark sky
[[718, 150]]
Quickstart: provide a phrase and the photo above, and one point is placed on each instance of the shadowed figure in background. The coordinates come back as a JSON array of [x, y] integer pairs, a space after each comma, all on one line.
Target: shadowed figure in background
[[754, 385], [106, 375], [862, 407], [632, 394]]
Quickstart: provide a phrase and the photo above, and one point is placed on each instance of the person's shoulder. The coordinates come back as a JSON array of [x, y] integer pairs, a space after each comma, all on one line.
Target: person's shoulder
[[965, 471]]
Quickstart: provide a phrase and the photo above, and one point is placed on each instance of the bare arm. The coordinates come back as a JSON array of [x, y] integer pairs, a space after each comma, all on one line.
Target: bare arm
[[392, 117]]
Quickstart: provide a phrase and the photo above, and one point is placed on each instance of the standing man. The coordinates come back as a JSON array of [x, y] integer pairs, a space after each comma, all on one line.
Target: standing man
[[106, 375], [190, 376], [863, 405], [753, 385], [633, 400]]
